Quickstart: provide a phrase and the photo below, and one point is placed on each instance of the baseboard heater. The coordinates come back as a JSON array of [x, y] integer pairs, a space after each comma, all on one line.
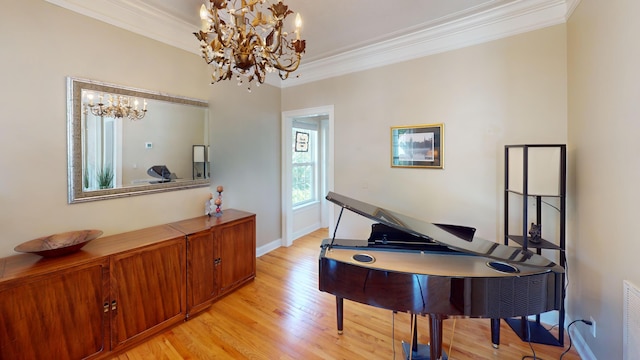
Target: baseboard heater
[[631, 322]]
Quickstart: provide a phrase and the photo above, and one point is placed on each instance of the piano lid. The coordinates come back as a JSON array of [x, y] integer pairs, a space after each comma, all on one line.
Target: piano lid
[[460, 238]]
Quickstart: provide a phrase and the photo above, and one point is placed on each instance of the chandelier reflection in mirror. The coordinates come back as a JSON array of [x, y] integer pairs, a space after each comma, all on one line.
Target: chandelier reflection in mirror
[[246, 42], [118, 107]]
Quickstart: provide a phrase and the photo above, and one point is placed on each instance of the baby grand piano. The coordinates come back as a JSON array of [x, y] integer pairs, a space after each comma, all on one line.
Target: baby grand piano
[[436, 270]]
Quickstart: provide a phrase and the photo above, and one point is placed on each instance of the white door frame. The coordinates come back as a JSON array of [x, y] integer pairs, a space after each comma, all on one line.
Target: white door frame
[[287, 208]]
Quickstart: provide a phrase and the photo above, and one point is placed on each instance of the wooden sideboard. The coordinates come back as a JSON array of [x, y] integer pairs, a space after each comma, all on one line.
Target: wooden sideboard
[[119, 290], [221, 255]]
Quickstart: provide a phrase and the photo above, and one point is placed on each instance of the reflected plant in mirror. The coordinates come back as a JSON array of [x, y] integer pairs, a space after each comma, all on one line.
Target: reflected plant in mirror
[[118, 138]]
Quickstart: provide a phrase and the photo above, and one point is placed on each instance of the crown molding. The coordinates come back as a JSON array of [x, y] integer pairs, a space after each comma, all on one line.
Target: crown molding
[[506, 20], [571, 6], [139, 18], [145, 20]]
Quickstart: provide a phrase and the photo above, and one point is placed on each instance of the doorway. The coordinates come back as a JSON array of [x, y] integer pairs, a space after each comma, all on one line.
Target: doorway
[[307, 148]]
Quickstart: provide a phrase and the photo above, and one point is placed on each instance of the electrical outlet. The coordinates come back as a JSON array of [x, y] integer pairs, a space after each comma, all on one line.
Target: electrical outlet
[[593, 326]]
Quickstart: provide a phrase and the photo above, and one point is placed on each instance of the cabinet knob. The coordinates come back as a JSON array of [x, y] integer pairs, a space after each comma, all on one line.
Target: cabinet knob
[[113, 305], [106, 307]]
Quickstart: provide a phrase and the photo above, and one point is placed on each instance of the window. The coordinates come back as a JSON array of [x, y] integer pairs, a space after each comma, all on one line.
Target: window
[[100, 160], [304, 163]]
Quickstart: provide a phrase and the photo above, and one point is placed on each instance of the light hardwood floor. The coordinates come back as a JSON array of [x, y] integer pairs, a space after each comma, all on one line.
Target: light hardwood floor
[[283, 315]]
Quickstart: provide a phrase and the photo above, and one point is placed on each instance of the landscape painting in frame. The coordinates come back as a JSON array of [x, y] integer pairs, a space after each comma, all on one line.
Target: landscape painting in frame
[[419, 146]]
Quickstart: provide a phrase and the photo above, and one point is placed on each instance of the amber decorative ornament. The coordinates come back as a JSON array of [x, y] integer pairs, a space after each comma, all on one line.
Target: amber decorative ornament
[[59, 244]]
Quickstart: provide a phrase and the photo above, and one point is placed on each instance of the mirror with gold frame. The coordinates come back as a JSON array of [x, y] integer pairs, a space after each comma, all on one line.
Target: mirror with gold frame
[[124, 141]]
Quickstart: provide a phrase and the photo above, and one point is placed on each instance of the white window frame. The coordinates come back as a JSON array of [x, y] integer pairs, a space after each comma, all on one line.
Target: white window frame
[[313, 148]]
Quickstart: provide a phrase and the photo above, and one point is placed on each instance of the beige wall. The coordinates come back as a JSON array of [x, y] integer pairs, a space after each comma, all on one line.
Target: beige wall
[[41, 45], [508, 91], [245, 145], [604, 98]]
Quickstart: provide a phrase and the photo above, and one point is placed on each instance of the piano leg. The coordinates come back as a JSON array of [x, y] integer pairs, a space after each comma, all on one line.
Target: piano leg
[[495, 333], [339, 314], [414, 333], [435, 337], [413, 350]]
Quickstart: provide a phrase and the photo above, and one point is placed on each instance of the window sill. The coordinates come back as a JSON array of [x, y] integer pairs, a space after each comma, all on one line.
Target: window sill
[[303, 206]]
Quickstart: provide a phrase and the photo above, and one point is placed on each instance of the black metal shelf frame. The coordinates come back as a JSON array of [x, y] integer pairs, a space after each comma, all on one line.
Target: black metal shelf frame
[[526, 329]]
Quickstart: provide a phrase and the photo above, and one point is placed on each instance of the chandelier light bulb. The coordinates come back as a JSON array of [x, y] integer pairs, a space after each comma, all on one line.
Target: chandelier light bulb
[[204, 14], [298, 21], [298, 25]]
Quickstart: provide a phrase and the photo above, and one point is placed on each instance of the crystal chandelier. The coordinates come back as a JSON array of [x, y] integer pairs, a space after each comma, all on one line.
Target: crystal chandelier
[[246, 42], [118, 107]]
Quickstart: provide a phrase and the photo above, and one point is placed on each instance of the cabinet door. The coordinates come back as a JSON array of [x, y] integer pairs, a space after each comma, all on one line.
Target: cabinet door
[[59, 315], [237, 243], [148, 287], [201, 280]]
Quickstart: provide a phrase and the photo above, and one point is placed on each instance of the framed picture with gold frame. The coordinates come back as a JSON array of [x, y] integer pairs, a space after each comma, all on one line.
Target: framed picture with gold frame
[[417, 146]]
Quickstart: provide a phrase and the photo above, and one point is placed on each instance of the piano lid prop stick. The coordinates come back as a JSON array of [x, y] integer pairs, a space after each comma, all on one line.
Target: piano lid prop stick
[[335, 230]]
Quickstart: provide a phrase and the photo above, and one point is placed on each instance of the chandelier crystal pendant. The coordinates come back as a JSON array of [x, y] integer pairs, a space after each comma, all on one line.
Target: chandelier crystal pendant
[[247, 42], [118, 107]]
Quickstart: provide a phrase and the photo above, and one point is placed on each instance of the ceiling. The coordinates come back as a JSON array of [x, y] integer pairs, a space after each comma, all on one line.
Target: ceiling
[[344, 36], [335, 26]]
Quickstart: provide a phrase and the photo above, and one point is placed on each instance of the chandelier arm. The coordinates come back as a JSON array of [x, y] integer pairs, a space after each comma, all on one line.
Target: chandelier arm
[[257, 38], [288, 68], [277, 42], [220, 35]]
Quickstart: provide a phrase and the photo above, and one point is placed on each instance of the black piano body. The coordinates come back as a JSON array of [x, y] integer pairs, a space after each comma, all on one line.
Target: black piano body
[[436, 270]]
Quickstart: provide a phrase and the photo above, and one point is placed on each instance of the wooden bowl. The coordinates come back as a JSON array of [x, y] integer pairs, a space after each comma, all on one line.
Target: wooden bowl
[[59, 244]]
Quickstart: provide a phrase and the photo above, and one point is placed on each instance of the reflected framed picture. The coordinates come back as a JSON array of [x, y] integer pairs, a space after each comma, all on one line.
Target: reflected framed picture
[[302, 141], [417, 146]]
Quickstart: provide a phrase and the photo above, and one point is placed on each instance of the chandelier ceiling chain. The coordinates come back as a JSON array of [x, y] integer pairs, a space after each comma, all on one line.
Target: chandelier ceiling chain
[[246, 42], [118, 107]]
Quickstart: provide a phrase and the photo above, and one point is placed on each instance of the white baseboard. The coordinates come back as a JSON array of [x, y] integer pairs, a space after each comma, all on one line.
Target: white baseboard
[[264, 249], [549, 318], [578, 342], [307, 230], [268, 247]]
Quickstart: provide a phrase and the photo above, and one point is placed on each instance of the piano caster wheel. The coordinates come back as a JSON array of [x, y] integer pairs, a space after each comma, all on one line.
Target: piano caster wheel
[[495, 346], [339, 332]]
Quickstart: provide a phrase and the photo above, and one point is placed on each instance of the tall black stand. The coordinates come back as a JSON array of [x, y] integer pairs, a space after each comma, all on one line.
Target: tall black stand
[[532, 330]]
